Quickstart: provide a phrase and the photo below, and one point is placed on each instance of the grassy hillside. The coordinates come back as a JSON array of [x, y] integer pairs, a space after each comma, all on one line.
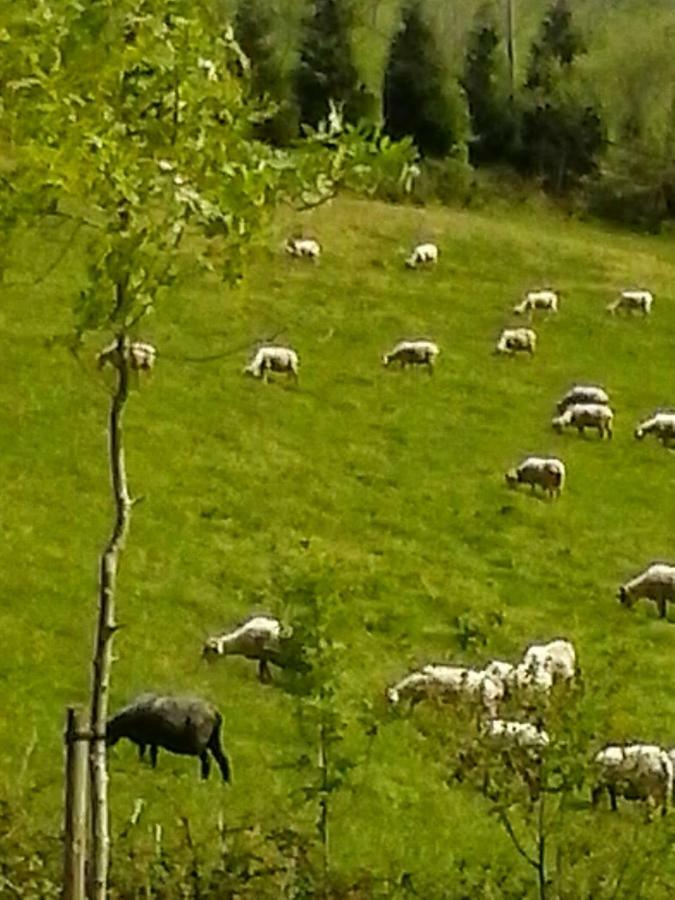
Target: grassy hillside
[[396, 478]]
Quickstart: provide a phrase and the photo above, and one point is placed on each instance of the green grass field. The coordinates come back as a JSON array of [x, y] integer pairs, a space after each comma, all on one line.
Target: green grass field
[[395, 477]]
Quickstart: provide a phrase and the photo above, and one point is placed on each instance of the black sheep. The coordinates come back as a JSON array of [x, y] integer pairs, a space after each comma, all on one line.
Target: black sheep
[[185, 725]]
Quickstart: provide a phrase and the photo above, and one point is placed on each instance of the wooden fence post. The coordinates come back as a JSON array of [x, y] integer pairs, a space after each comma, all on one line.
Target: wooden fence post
[[75, 826]]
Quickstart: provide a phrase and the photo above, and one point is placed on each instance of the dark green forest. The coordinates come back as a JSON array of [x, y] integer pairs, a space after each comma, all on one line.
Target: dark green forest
[[577, 96]]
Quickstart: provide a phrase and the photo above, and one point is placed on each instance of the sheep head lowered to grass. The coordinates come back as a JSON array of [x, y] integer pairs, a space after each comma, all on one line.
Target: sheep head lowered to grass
[[185, 725]]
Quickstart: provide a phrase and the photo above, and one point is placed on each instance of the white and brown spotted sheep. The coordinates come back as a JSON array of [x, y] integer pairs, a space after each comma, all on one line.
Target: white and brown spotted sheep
[[447, 683], [583, 393], [544, 300], [141, 356], [413, 353], [273, 359], [517, 340], [306, 248], [635, 772], [632, 301], [422, 254], [185, 725], [586, 415], [655, 583], [259, 638], [546, 472], [661, 425]]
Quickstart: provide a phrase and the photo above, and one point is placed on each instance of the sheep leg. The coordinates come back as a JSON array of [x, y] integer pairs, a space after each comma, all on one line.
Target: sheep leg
[[153, 755], [205, 764], [661, 603], [264, 673], [612, 797], [141, 752], [216, 749]]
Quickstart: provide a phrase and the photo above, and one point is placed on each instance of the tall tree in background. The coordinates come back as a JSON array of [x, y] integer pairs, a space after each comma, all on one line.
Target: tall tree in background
[[269, 73], [562, 132], [558, 45], [326, 71], [420, 99], [492, 117]]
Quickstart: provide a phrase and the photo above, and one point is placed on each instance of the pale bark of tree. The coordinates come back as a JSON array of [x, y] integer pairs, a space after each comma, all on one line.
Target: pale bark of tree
[[75, 819], [106, 627]]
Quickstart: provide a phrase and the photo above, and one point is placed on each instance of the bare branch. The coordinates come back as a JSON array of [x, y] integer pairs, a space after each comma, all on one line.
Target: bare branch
[[504, 819]]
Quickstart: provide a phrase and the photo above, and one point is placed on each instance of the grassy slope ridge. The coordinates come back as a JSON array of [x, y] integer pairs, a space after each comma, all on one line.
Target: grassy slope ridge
[[399, 476]]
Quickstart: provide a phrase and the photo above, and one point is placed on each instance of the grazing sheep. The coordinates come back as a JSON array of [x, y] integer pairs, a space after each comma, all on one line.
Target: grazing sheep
[[586, 415], [632, 301], [273, 359], [518, 734], [545, 472], [445, 682], [635, 772], [661, 424], [423, 254], [260, 638], [558, 657], [185, 725], [304, 247], [546, 300], [529, 681], [141, 356], [583, 393], [656, 583], [499, 670], [413, 353], [517, 340]]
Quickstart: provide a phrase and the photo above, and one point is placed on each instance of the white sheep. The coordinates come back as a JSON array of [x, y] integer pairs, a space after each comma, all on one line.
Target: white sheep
[[517, 340], [141, 356], [583, 393], [306, 248], [518, 734], [413, 353], [529, 681], [273, 359], [656, 583], [545, 300], [558, 657], [661, 424], [259, 638], [499, 670], [443, 682], [632, 301], [547, 472], [586, 415], [636, 772], [423, 254]]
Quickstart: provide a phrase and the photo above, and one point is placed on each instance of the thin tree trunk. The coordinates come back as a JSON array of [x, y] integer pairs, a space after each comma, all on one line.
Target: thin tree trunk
[[102, 661], [323, 803], [541, 849], [510, 46], [75, 824]]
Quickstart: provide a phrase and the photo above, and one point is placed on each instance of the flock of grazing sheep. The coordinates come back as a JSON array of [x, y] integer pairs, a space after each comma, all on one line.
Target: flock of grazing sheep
[[636, 771]]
